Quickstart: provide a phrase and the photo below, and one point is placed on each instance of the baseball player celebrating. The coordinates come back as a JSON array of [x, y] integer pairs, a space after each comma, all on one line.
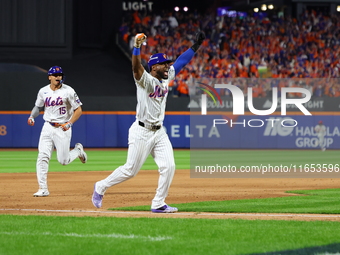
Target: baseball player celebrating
[[320, 130], [62, 108], [146, 134]]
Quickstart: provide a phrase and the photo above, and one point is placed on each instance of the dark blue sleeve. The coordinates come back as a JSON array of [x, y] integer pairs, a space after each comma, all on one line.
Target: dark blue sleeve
[[183, 59]]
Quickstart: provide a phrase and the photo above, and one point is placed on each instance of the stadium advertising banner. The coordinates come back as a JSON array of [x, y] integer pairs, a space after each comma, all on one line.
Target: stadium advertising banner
[[262, 132], [185, 131]]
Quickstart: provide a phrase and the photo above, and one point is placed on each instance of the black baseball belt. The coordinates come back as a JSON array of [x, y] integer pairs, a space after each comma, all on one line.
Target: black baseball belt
[[152, 127]]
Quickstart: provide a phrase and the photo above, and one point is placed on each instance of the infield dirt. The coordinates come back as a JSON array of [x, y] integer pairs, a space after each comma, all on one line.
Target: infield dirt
[[70, 194]]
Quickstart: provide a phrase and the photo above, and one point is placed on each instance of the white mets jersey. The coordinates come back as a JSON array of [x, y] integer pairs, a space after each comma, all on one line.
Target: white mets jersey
[[59, 104], [151, 97]]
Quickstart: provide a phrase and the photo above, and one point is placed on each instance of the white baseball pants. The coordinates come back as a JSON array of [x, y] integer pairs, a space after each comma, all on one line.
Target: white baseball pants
[[142, 142], [51, 137]]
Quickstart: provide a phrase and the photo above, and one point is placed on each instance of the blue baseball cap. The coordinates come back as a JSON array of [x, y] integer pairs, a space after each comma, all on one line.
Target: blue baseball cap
[[54, 70], [158, 58]]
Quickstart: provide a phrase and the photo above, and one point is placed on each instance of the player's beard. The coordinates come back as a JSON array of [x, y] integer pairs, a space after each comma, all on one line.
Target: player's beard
[[161, 73]]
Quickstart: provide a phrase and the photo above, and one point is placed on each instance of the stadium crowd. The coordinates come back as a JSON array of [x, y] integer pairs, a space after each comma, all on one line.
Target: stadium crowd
[[250, 47]]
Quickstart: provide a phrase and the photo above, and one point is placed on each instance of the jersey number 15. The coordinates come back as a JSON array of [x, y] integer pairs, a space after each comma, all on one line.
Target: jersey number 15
[[62, 110]]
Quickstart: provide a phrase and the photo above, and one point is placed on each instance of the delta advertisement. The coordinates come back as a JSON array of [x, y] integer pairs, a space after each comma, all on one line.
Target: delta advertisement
[[225, 131], [262, 132]]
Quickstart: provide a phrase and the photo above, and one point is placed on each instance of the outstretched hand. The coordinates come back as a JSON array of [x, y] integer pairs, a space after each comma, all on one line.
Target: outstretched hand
[[200, 37]]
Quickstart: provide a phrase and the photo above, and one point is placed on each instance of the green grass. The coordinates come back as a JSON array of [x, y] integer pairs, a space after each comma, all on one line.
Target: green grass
[[34, 235], [21, 161], [240, 158], [316, 201]]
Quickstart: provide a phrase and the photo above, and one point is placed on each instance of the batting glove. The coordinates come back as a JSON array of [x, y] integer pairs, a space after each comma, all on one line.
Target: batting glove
[[139, 39], [66, 126], [200, 37], [30, 121]]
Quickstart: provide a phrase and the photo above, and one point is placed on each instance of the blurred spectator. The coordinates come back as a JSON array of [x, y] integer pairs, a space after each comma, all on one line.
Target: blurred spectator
[[307, 47], [182, 88]]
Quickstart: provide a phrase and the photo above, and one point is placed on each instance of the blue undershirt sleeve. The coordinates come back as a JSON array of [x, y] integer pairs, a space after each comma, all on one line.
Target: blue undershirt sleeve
[[183, 59]]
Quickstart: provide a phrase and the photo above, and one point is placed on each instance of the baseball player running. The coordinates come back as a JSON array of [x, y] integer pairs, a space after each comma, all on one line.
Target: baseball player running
[[146, 134], [62, 109], [320, 130]]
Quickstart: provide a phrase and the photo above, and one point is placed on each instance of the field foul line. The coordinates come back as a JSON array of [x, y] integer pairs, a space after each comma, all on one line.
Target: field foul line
[[120, 236], [181, 213]]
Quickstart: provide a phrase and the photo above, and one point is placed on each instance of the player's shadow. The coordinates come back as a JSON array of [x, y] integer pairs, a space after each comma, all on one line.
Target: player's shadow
[[327, 249]]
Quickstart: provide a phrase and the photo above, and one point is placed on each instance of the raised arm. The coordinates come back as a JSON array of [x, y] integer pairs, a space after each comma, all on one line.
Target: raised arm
[[137, 67], [186, 56]]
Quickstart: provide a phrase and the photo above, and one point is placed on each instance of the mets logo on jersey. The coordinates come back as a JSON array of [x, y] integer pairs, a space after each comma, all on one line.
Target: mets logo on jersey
[[51, 102], [158, 92]]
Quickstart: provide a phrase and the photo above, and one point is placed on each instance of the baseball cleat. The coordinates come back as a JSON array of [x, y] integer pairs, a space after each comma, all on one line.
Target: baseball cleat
[[41, 193], [165, 209], [82, 153], [97, 199]]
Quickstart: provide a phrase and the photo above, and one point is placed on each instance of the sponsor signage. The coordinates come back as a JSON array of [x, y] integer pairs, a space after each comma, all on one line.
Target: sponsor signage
[[137, 6], [185, 131]]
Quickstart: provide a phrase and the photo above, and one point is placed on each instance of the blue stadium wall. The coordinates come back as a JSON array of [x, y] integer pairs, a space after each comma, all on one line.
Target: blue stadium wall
[[110, 129]]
